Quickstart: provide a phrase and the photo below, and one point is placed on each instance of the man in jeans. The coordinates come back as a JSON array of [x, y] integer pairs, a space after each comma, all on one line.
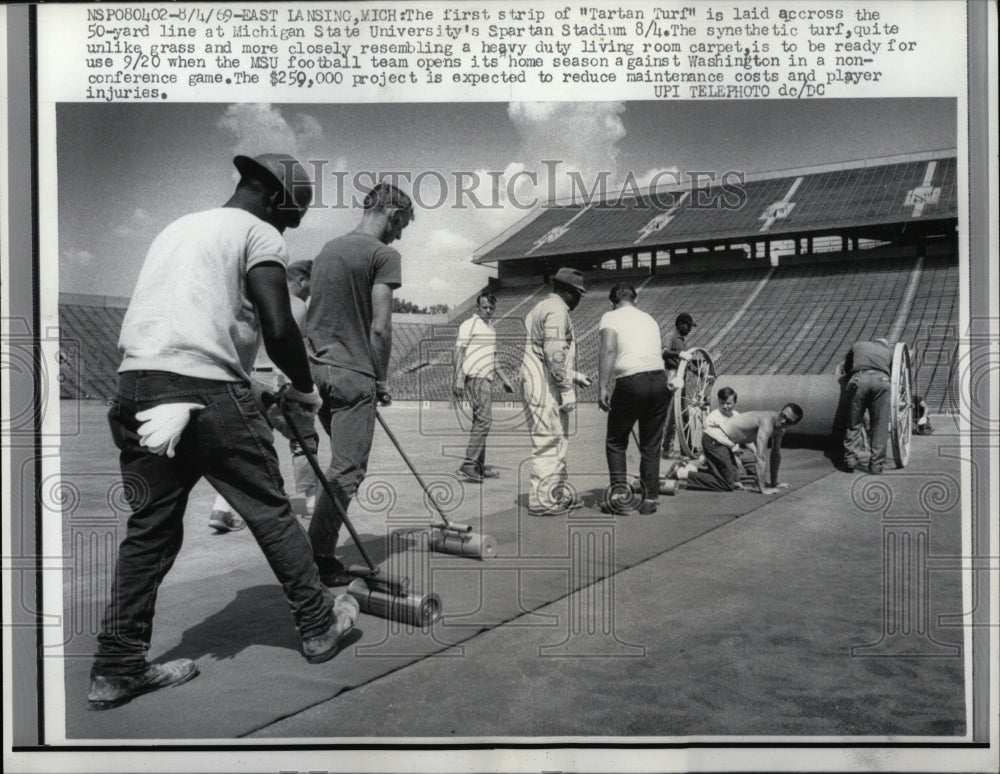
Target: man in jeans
[[869, 388], [632, 388], [475, 365], [212, 283], [349, 338]]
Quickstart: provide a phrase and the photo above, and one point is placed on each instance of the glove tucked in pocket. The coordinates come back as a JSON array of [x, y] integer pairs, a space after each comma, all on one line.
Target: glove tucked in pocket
[[163, 425]]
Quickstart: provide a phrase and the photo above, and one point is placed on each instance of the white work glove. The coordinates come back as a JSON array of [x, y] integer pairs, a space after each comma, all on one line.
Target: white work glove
[[162, 426], [582, 379], [568, 401], [676, 383], [685, 355]]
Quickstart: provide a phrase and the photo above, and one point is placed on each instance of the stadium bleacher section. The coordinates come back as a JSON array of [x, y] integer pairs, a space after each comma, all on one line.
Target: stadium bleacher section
[[801, 322], [849, 195]]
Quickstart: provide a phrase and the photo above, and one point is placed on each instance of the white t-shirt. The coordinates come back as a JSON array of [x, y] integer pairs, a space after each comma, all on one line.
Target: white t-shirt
[[190, 313], [638, 340], [480, 341]]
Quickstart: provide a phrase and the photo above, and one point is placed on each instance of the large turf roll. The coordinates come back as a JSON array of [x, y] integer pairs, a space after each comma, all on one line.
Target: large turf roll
[[818, 395]]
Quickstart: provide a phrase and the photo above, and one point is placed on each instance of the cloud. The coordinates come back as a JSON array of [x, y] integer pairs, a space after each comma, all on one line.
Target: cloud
[[577, 140], [436, 265], [139, 221], [77, 257], [263, 128]]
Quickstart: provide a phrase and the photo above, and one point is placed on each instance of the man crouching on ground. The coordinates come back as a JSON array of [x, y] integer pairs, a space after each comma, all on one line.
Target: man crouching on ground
[[720, 443]]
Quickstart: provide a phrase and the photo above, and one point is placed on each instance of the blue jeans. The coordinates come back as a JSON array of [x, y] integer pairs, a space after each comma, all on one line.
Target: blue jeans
[[722, 475], [348, 417], [479, 392], [871, 391], [229, 443]]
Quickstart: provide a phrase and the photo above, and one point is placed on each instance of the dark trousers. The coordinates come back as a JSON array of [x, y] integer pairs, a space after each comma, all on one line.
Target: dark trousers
[[348, 417], [638, 398], [722, 474], [479, 392], [229, 443], [867, 390]]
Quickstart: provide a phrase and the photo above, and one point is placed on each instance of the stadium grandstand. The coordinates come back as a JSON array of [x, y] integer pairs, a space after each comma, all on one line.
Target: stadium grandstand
[[782, 272]]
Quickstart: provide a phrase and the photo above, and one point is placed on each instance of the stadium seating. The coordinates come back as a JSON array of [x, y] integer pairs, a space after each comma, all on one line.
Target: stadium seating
[[801, 321]]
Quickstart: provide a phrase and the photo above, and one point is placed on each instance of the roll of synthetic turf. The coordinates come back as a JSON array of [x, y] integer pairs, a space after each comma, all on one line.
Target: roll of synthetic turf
[[820, 397]]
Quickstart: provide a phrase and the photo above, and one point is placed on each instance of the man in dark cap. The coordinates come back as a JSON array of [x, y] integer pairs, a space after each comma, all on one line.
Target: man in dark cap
[[213, 283], [674, 349], [550, 383]]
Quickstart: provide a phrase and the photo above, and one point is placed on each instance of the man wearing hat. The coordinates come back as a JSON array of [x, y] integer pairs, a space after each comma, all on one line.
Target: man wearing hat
[[869, 367], [212, 284], [550, 392]]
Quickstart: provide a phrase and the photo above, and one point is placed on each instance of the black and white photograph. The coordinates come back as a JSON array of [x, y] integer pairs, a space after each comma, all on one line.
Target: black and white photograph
[[552, 432]]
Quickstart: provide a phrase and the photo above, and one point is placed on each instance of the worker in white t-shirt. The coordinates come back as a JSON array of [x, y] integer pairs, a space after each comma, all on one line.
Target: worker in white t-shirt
[[211, 287], [475, 366], [633, 389]]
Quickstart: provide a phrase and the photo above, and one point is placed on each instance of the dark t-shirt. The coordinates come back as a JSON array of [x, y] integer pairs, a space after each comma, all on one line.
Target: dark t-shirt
[[339, 321], [674, 343], [870, 355]]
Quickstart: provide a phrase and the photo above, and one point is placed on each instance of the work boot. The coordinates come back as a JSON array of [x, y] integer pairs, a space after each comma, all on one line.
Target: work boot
[[225, 521], [648, 507], [332, 572], [470, 474], [110, 691], [566, 497], [325, 646]]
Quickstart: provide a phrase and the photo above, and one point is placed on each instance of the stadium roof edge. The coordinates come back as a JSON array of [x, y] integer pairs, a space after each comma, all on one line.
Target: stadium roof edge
[[482, 255], [85, 299]]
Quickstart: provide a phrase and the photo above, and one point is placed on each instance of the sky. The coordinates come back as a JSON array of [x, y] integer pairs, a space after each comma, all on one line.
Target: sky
[[127, 170]]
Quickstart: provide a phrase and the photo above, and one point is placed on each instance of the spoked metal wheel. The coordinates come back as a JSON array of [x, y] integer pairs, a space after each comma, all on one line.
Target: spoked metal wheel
[[692, 402], [902, 405]]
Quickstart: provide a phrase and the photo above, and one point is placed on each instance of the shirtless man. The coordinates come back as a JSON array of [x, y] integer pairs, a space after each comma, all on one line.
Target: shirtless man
[[721, 441]]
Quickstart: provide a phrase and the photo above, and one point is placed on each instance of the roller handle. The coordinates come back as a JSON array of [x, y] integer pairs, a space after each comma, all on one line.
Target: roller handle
[[413, 470], [460, 529], [321, 477]]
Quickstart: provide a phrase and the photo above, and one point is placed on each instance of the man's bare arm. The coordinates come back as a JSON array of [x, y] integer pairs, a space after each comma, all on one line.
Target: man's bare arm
[[381, 334], [764, 431], [775, 462], [605, 367], [268, 292]]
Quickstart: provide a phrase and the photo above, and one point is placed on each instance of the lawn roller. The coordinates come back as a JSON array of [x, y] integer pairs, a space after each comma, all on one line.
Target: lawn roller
[[446, 537], [376, 594]]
